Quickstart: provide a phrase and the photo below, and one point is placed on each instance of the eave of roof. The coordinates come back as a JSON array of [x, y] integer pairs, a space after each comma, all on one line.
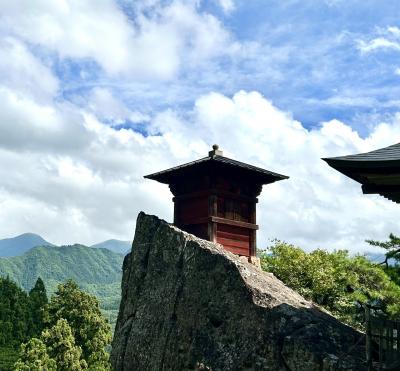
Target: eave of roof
[[272, 177], [383, 157], [381, 162]]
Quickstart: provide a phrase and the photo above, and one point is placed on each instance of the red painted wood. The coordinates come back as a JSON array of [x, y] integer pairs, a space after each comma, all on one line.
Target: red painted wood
[[233, 243], [238, 251], [234, 223], [233, 229], [233, 236], [191, 209]]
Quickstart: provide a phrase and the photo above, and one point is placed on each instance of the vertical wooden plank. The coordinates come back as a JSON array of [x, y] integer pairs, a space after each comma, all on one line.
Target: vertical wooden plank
[[212, 211], [253, 233], [176, 211], [368, 348]]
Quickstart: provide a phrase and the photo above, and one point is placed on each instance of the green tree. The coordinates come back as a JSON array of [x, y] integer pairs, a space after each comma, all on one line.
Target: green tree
[[15, 317], [37, 303], [336, 281], [55, 350], [392, 246], [34, 357], [89, 328], [60, 344]]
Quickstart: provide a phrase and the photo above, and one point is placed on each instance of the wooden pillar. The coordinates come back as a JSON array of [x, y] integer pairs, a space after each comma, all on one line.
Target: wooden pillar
[[253, 232], [176, 213], [212, 211]]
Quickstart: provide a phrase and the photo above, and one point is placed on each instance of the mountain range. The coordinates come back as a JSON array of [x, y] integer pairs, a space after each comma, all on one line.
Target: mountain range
[[97, 271], [16, 246]]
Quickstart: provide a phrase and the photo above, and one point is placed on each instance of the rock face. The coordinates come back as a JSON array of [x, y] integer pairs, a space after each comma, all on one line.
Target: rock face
[[187, 304]]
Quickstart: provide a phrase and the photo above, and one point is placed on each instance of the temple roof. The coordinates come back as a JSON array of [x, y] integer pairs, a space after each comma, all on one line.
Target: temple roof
[[216, 160], [378, 171], [382, 156]]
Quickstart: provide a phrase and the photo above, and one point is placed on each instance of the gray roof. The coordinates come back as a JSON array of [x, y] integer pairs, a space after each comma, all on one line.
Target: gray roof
[[268, 176], [391, 153], [372, 170]]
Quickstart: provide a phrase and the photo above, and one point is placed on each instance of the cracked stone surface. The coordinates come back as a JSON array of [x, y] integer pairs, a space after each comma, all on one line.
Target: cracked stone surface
[[187, 304]]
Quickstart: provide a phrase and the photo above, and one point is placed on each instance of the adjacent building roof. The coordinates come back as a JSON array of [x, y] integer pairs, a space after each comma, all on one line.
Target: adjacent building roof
[[378, 171], [216, 160]]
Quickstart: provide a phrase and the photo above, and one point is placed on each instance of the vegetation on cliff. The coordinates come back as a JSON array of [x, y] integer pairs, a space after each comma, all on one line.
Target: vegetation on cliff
[[341, 283]]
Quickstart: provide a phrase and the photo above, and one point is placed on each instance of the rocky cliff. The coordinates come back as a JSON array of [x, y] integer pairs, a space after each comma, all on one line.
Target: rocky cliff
[[187, 304]]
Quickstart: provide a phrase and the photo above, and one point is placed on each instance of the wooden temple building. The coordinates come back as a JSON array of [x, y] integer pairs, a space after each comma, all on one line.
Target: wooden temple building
[[215, 199], [378, 171]]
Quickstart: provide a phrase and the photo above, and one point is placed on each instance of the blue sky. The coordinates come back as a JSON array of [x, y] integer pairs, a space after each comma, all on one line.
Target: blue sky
[[96, 94], [308, 61]]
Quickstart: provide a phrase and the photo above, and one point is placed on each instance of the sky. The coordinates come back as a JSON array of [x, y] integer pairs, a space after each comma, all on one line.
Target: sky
[[96, 94]]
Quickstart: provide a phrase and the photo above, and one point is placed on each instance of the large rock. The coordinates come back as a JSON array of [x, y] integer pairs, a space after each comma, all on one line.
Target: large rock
[[187, 304]]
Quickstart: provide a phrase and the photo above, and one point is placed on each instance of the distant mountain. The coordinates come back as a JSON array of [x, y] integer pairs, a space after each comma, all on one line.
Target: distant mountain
[[18, 245], [117, 246], [97, 271], [379, 258]]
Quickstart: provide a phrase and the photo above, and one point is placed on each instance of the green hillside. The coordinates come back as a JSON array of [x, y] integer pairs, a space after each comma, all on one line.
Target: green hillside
[[97, 271]]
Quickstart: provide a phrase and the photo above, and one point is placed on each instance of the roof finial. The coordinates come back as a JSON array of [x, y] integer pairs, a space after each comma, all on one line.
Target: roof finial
[[215, 151]]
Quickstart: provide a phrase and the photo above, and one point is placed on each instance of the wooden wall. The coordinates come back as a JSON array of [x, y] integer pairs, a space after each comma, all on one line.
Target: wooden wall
[[234, 239]]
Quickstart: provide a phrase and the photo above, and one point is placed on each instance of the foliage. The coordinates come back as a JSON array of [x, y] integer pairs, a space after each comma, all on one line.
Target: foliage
[[34, 356], [338, 282], [75, 337], [91, 331], [55, 350], [38, 300], [15, 316], [8, 356], [61, 347], [392, 246], [20, 315]]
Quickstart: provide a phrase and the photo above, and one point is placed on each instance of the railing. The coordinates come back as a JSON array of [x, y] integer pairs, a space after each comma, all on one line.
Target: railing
[[382, 343]]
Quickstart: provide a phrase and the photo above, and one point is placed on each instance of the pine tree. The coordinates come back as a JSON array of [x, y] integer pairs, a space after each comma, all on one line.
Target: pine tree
[[90, 329], [14, 314], [37, 303]]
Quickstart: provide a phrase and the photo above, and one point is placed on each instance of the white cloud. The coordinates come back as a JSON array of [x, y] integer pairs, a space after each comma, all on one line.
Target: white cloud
[[106, 107], [227, 5], [93, 189], [154, 44], [22, 72], [389, 40], [29, 125]]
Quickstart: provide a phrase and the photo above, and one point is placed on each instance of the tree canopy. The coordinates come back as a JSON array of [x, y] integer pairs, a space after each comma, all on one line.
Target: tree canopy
[[340, 283], [75, 335]]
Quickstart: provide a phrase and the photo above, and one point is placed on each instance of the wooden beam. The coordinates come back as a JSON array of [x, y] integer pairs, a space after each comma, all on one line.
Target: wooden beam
[[215, 191], [218, 220], [236, 223]]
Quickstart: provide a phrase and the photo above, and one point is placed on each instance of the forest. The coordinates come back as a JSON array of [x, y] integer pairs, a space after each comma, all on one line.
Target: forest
[[67, 332]]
